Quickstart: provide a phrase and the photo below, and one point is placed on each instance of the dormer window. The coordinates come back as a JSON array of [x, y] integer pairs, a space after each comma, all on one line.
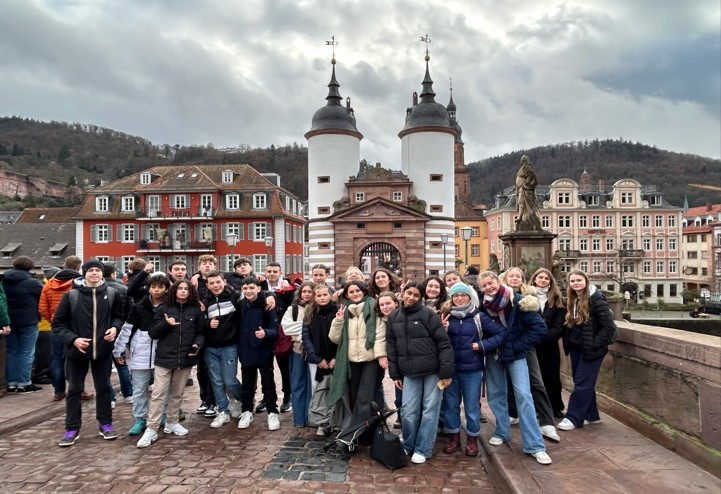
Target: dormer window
[[360, 197], [145, 179], [259, 201], [398, 197], [232, 201], [227, 177], [102, 204], [128, 204]]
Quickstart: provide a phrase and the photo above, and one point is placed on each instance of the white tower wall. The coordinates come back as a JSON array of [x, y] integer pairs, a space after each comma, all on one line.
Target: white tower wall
[[336, 156], [425, 154]]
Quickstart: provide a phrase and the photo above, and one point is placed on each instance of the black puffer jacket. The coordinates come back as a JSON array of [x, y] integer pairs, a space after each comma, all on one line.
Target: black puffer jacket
[[224, 307], [417, 345], [175, 343], [598, 331], [22, 290], [90, 318]]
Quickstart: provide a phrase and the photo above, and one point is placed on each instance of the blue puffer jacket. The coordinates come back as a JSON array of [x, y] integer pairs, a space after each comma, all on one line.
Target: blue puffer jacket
[[251, 350], [526, 327], [464, 332]]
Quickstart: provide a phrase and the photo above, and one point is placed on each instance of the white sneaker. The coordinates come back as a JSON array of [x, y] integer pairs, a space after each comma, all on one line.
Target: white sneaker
[[148, 438], [235, 407], [220, 420], [416, 458], [246, 418], [273, 422], [495, 441], [566, 425], [591, 422], [550, 432], [542, 458], [514, 421], [320, 431], [128, 399], [176, 429]]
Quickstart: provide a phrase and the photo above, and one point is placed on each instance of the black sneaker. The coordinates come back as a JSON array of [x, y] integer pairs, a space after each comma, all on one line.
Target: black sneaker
[[286, 406], [260, 407], [202, 408], [12, 389], [30, 388], [211, 412], [107, 431], [189, 382], [69, 438]]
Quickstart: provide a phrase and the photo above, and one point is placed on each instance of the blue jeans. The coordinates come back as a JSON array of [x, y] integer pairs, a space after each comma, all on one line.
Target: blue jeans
[[498, 400], [223, 373], [466, 386], [300, 388], [419, 414], [126, 385], [20, 354], [141, 381], [582, 403], [57, 365]]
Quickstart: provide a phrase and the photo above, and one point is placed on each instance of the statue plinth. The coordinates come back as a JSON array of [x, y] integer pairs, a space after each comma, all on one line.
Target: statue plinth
[[528, 250]]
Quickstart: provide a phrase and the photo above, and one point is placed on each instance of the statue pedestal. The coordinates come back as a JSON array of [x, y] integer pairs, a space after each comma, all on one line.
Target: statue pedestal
[[528, 250]]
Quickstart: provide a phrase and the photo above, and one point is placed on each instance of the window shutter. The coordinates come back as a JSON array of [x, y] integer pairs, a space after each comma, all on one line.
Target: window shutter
[[225, 231], [93, 233], [214, 229], [119, 232], [135, 232], [110, 233], [251, 231], [241, 231]]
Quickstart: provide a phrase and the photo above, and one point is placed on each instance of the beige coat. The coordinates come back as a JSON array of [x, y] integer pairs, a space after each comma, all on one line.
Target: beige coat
[[357, 336]]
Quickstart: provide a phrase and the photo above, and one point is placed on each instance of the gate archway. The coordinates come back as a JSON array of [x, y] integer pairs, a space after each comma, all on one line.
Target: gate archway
[[380, 254]]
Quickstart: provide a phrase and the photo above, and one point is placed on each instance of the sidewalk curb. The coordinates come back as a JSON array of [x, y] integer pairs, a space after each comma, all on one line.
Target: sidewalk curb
[[517, 478]]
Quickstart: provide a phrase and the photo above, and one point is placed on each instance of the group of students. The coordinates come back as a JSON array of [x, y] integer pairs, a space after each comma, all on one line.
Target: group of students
[[439, 337], [436, 339]]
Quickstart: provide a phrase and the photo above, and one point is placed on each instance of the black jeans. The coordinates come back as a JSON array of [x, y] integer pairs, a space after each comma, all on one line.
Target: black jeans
[[249, 377], [75, 372], [362, 388], [206, 388], [284, 368]]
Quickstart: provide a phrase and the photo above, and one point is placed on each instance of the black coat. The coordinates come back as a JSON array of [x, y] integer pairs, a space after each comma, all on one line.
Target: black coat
[[175, 343], [417, 344], [598, 331], [22, 290]]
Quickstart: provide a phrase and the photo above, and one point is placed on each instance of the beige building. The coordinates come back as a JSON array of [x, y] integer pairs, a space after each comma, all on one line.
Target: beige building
[[698, 247]]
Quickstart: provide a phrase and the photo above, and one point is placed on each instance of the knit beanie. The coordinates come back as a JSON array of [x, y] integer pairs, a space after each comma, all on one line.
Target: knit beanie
[[460, 288], [92, 263]]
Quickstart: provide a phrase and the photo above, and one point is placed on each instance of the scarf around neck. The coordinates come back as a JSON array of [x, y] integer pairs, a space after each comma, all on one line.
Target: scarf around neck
[[498, 306]]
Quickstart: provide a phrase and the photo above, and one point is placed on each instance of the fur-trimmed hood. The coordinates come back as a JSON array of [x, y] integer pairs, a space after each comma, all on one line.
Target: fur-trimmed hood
[[529, 301]]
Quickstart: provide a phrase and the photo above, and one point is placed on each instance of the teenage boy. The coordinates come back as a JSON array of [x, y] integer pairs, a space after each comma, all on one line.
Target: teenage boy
[[242, 268], [87, 320], [221, 347], [283, 291], [258, 332], [206, 264]]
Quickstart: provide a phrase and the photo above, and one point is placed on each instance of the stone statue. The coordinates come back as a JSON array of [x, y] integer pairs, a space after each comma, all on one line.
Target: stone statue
[[556, 261], [529, 218], [493, 264]]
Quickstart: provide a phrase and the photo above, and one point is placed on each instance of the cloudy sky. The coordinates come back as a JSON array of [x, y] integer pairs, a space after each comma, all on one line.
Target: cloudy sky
[[231, 72]]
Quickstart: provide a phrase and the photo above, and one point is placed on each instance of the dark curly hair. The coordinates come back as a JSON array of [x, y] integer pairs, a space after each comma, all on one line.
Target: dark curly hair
[[192, 293]]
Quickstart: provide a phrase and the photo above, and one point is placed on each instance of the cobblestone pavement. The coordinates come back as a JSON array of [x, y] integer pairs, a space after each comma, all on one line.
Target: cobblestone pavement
[[223, 460]]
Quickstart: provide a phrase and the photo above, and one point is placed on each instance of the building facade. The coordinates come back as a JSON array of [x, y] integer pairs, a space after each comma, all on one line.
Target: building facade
[[699, 247], [371, 216], [626, 237], [185, 211]]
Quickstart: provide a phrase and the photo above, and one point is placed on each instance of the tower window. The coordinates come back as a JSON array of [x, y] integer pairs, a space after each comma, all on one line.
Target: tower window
[[323, 180], [324, 210], [436, 208], [436, 177]]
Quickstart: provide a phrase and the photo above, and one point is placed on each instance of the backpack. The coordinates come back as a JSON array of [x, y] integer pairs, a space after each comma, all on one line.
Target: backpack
[[284, 343], [73, 295]]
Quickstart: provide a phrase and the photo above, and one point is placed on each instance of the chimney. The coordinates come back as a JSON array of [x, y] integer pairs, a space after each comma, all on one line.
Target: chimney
[[601, 185], [708, 206]]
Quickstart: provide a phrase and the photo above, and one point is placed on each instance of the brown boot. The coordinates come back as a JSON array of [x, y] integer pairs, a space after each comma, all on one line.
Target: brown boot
[[471, 446], [453, 444]]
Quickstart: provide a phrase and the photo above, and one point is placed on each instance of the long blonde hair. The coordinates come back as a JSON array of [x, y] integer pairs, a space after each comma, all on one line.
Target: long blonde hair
[[554, 297], [523, 289], [579, 307]]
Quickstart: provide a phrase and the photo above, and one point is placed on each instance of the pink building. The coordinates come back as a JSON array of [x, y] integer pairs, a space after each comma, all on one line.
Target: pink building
[[698, 244], [626, 237]]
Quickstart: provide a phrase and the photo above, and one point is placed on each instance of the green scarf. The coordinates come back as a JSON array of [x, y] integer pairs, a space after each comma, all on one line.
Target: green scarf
[[341, 371]]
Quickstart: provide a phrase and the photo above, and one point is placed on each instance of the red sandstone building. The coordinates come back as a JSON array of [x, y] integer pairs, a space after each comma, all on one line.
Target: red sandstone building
[[185, 211]]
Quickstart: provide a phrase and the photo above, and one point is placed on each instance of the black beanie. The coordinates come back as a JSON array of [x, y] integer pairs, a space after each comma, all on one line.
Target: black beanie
[[92, 263]]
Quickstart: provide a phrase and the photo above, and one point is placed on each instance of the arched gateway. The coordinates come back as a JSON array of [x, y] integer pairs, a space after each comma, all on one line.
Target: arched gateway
[[380, 254]]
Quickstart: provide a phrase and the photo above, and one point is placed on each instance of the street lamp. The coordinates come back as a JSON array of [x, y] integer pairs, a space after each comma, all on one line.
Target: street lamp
[[268, 245], [232, 239], [444, 241], [466, 235]]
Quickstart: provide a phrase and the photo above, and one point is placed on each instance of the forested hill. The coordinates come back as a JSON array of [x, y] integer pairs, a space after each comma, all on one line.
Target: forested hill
[[74, 152], [608, 160]]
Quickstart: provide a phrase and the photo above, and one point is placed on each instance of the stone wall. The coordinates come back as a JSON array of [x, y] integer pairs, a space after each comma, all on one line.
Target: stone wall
[[666, 383], [19, 185]]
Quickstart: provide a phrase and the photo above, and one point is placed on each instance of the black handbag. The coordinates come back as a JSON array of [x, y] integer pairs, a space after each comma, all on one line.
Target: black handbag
[[386, 448]]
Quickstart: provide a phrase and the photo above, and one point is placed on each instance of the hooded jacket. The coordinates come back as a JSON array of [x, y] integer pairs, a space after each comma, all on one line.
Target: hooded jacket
[[135, 335], [22, 291], [526, 327], [598, 331], [464, 331], [252, 350], [54, 290], [90, 318], [224, 307]]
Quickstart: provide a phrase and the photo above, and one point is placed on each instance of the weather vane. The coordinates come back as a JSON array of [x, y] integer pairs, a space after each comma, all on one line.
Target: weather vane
[[425, 39], [333, 43]]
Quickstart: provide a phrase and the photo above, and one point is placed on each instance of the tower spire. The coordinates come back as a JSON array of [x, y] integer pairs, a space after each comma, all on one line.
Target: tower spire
[[334, 97], [427, 95]]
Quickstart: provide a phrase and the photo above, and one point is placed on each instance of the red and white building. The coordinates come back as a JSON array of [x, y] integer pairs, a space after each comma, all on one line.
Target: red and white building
[[185, 211], [626, 237], [698, 245]]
